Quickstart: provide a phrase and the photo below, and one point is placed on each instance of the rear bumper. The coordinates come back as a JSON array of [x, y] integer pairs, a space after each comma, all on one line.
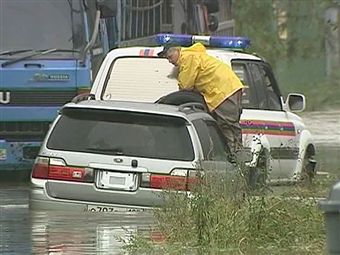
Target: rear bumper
[[39, 200]]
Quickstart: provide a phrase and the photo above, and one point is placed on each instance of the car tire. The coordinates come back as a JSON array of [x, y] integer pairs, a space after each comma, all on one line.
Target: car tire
[[182, 97], [308, 168]]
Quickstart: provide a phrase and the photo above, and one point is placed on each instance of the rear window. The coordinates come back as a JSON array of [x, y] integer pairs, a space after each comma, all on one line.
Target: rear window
[[143, 79], [122, 133]]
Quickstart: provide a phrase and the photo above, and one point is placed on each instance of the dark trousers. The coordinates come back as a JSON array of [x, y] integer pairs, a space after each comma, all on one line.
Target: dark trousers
[[227, 115]]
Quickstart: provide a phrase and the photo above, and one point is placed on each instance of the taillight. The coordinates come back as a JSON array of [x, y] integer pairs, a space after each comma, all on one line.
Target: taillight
[[179, 179], [168, 182], [40, 168], [56, 169]]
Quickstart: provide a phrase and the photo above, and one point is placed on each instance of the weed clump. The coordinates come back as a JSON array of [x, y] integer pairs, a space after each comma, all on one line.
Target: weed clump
[[225, 215]]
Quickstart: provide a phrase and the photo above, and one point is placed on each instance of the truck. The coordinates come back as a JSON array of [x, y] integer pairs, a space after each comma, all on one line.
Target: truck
[[49, 52]]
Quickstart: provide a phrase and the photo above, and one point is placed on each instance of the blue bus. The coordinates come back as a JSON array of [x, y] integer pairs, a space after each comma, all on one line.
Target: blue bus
[[50, 52]]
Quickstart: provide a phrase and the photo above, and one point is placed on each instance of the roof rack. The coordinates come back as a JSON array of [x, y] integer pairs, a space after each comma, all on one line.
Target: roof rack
[[83, 97], [192, 107]]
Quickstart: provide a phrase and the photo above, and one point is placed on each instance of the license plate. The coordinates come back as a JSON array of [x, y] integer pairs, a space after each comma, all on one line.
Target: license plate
[[111, 209], [117, 180]]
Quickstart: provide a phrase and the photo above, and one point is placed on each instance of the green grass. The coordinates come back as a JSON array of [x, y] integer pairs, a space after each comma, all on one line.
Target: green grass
[[223, 217]]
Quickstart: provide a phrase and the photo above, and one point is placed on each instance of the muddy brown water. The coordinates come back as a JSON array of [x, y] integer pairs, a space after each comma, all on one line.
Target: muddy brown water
[[23, 231]]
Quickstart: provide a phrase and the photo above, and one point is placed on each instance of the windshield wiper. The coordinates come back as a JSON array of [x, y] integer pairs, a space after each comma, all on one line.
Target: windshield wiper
[[36, 53], [113, 151], [13, 52]]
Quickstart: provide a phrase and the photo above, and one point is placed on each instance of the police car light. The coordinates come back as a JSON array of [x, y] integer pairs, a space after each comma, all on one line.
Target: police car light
[[211, 41], [174, 39]]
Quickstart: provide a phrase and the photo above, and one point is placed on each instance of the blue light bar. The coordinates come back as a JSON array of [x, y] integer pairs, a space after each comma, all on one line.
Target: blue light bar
[[211, 41], [174, 39]]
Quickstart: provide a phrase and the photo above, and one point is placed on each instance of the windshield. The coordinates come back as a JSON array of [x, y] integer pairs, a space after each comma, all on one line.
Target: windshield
[[122, 133], [152, 78], [39, 25]]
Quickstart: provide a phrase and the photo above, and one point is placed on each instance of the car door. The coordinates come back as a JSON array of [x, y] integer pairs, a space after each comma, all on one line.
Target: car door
[[263, 115]]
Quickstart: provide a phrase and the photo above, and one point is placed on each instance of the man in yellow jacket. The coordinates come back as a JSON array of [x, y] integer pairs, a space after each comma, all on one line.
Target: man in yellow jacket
[[216, 82]]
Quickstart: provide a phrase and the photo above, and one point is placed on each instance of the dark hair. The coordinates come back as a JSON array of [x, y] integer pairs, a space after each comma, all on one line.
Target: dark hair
[[162, 54]]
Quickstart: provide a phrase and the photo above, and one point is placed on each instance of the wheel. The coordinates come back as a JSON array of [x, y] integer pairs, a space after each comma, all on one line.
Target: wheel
[[308, 168]]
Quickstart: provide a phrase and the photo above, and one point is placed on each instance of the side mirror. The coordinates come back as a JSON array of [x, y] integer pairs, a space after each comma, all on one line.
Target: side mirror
[[108, 8], [296, 102]]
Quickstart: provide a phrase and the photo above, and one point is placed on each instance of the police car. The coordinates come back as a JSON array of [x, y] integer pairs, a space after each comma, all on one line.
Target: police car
[[281, 145]]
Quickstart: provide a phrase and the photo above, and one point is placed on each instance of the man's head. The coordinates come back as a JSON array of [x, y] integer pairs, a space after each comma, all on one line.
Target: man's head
[[170, 53]]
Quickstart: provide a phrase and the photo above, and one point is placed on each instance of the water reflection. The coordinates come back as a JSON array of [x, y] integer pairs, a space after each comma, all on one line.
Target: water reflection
[[14, 220], [23, 231], [14, 235], [84, 233]]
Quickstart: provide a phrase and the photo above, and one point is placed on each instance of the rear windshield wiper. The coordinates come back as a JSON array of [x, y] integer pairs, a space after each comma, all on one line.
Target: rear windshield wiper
[[13, 52], [113, 151], [34, 54]]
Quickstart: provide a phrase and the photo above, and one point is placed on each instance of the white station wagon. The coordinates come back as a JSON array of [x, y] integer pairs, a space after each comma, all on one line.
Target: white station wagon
[[277, 137], [113, 156]]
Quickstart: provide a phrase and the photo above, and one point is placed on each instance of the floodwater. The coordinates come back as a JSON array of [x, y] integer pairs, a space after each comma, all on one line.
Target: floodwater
[[325, 128], [48, 232], [23, 231]]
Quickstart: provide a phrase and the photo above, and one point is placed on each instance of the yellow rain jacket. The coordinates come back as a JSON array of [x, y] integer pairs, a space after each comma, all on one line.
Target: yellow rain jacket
[[215, 80]]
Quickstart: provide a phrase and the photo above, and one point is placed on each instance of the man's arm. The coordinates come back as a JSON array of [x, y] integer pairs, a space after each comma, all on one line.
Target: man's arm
[[188, 72]]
